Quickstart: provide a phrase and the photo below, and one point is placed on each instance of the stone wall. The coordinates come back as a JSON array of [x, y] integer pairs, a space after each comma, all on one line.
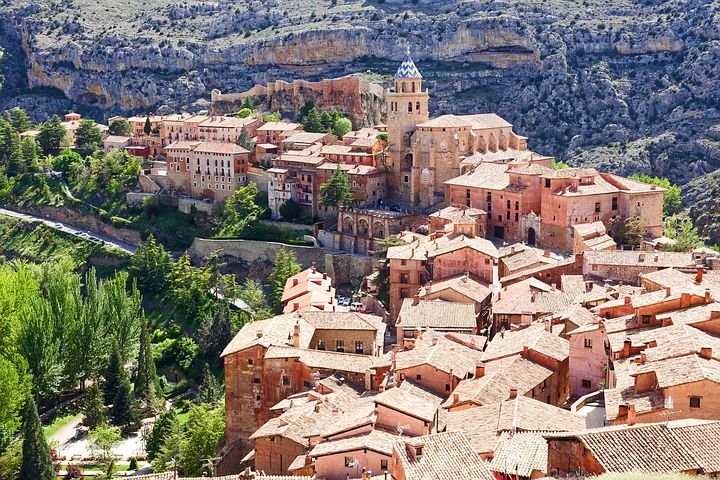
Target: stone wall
[[345, 268], [83, 221], [185, 205], [137, 198], [259, 176]]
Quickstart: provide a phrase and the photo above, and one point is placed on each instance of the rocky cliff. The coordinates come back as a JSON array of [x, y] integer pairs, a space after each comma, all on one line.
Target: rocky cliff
[[628, 85]]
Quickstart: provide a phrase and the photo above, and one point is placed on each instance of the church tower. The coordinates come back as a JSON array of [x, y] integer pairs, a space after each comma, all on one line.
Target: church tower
[[407, 105]]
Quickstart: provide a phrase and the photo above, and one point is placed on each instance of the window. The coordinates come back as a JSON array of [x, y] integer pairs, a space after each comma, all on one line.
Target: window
[[256, 379], [517, 216], [349, 462], [594, 268], [447, 387], [586, 384], [614, 203], [507, 215], [645, 319], [487, 261], [406, 178], [383, 464], [409, 107], [418, 377], [286, 380], [404, 278], [597, 207], [547, 183], [250, 361], [359, 347], [403, 293], [508, 204], [499, 218], [340, 346], [588, 343], [467, 193], [694, 402], [257, 397], [321, 345], [517, 205]]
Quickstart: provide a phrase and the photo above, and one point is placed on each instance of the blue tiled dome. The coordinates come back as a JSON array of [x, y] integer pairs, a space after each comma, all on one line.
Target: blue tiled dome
[[408, 69]]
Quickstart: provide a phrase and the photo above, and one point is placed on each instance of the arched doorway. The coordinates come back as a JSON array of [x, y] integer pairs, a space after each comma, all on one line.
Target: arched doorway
[[531, 236]]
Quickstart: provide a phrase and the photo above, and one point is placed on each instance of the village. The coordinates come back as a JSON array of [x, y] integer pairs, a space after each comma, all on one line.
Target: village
[[518, 339]]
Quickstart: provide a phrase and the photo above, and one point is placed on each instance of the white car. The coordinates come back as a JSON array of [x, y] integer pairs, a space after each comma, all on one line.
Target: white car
[[346, 302], [357, 307]]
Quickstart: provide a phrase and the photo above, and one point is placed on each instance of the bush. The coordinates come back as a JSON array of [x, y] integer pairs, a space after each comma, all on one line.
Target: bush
[[133, 464]]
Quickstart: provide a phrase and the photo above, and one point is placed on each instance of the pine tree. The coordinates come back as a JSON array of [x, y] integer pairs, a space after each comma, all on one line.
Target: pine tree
[[215, 334], [120, 127], [210, 390], [30, 155], [88, 137], [51, 134], [162, 427], [9, 148], [19, 119], [114, 375], [286, 265], [336, 191], [146, 390], [327, 122], [94, 409], [151, 265], [37, 464], [124, 413], [148, 126], [312, 121], [245, 141]]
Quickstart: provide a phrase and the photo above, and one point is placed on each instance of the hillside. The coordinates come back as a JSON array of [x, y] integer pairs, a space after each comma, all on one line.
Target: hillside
[[625, 85]]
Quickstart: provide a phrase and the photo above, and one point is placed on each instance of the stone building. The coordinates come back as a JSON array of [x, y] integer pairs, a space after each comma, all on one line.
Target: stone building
[[206, 170], [359, 229]]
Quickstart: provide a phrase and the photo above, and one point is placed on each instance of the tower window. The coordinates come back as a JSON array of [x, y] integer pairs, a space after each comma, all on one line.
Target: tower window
[[409, 107], [402, 87], [413, 87], [417, 105]]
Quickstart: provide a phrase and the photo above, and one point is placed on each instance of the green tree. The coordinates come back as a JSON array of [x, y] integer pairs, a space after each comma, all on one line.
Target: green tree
[[162, 428], [171, 442], [312, 122], [66, 160], [245, 141], [383, 137], [120, 127], [272, 117], [11, 461], [148, 126], [114, 375], [305, 109], [124, 413], [244, 112], [214, 335], [18, 118], [14, 392], [123, 313], [210, 390], [251, 292], [341, 127], [189, 292], [39, 344], [103, 441], [30, 155], [37, 464], [382, 280], [671, 200], [88, 137], [52, 133], [205, 428], [146, 381], [9, 148], [286, 265], [241, 210], [94, 409], [151, 266], [336, 191], [559, 165], [327, 121], [290, 210], [681, 229]]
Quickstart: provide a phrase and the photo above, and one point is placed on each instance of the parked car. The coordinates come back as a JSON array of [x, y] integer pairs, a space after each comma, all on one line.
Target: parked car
[[346, 302], [357, 307]]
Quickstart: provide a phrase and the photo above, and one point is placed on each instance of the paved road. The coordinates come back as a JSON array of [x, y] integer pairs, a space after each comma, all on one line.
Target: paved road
[[79, 232]]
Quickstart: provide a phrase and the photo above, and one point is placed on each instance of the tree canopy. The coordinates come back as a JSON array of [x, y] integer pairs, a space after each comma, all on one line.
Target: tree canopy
[[52, 133], [286, 265], [88, 137], [336, 191], [120, 127]]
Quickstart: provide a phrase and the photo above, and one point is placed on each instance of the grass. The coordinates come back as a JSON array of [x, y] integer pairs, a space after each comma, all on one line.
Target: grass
[[57, 424], [39, 243]]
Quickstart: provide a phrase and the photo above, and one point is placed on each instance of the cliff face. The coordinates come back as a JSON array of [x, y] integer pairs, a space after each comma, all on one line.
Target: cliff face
[[627, 85]]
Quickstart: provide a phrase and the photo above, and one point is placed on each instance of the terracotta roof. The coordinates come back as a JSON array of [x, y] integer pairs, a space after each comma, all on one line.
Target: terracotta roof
[[292, 157], [459, 214], [527, 258], [436, 314], [530, 296], [305, 137], [377, 441], [335, 361], [571, 173], [494, 386], [520, 454], [676, 280], [424, 247], [492, 176], [227, 122], [535, 337], [445, 355], [633, 258], [465, 285], [476, 342], [279, 126], [444, 456], [702, 442], [411, 399], [116, 139]]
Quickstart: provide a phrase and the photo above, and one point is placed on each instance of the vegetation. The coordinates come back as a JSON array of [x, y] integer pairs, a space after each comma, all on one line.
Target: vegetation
[[286, 265], [671, 201], [336, 191], [559, 165], [682, 230], [382, 280], [326, 122], [627, 231], [120, 127], [37, 464], [241, 211], [52, 134], [88, 137]]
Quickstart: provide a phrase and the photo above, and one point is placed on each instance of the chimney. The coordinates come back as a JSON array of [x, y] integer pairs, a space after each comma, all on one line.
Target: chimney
[[479, 370], [668, 291], [706, 353], [456, 398], [631, 414], [513, 392], [623, 409], [416, 299], [434, 340], [324, 276], [526, 351], [259, 334], [295, 282], [643, 358], [364, 474], [707, 296], [546, 253], [685, 300], [296, 335], [628, 300], [627, 343], [699, 275], [335, 412], [499, 295]]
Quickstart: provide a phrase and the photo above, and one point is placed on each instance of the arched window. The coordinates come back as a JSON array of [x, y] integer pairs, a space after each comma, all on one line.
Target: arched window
[[402, 86], [409, 107], [417, 106], [413, 87]]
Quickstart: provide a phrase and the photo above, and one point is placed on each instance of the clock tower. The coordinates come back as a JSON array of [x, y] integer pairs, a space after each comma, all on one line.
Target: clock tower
[[407, 105]]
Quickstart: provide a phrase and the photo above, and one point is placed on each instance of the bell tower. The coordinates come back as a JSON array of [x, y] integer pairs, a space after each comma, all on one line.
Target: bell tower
[[407, 105]]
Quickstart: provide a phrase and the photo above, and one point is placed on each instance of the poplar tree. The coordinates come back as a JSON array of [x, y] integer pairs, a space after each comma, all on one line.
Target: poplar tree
[[37, 463], [114, 375], [146, 389], [286, 265], [124, 413], [148, 127]]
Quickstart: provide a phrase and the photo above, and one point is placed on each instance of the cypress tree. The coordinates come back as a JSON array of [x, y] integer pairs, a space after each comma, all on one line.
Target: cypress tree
[[146, 378], [210, 390], [114, 375], [37, 463], [94, 410], [165, 424], [148, 126], [123, 413]]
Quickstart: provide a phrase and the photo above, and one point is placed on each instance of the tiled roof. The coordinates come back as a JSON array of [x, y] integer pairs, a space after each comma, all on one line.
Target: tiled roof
[[279, 126], [676, 280], [459, 214], [407, 69], [535, 337], [445, 355], [527, 258], [451, 243], [412, 400], [465, 285], [377, 441], [531, 297], [444, 456], [491, 176], [436, 314], [494, 386], [335, 361], [305, 137], [520, 454], [702, 442], [476, 342], [633, 258], [571, 173]]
